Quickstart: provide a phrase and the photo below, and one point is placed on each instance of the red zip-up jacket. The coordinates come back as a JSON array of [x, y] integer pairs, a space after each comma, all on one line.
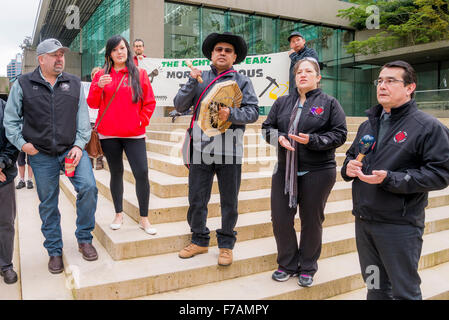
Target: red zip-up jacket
[[123, 117]]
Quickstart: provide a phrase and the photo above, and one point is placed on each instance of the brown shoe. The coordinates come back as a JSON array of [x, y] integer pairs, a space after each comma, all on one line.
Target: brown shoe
[[55, 265], [225, 257], [88, 251], [192, 250]]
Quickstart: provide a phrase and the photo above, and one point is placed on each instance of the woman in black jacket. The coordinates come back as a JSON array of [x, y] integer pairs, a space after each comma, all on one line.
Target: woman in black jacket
[[307, 126]]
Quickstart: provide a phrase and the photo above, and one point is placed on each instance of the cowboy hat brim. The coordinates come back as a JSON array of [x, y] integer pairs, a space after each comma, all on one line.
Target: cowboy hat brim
[[240, 47]]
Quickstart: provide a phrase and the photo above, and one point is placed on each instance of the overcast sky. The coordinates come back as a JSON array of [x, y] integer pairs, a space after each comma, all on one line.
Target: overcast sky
[[17, 19]]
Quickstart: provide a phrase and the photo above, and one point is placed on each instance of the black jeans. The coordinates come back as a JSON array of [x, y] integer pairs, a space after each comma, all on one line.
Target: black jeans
[[313, 190], [200, 186], [7, 217], [389, 254], [136, 153]]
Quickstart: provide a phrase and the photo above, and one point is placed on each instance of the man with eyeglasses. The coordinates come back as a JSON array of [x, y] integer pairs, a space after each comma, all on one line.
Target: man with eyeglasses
[[391, 184], [139, 49], [220, 154], [298, 51]]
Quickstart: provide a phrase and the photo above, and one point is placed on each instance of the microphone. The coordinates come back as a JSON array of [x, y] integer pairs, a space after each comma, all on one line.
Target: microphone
[[366, 144]]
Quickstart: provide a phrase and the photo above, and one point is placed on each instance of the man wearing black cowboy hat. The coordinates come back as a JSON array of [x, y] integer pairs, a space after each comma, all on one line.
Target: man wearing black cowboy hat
[[299, 50], [225, 150]]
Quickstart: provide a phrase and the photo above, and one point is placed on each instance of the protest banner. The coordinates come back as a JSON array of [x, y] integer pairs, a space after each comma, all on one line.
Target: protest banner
[[268, 74]]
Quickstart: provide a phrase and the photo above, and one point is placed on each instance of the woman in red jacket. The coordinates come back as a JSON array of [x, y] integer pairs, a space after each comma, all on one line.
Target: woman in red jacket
[[123, 125]]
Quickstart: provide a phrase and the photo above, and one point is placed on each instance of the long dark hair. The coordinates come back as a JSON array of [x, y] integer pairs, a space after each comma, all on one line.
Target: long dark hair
[[133, 76]]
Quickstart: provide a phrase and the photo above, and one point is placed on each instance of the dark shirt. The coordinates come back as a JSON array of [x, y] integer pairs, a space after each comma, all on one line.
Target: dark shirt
[[295, 57]]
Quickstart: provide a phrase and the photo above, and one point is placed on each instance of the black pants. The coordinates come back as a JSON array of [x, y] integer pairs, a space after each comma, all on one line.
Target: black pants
[[22, 159], [200, 186], [136, 153], [389, 256], [313, 190], [7, 217]]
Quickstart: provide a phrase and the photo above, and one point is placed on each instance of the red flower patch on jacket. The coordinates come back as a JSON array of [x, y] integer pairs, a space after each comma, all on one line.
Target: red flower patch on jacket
[[400, 137]]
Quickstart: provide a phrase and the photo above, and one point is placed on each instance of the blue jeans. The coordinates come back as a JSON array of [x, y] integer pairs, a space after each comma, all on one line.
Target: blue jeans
[[46, 173]]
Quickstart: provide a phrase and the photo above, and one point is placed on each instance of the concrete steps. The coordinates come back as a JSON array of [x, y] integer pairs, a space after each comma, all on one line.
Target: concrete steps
[[177, 136], [336, 275], [135, 265], [174, 149], [163, 272], [131, 242], [435, 285], [167, 186], [174, 165], [252, 127], [250, 150], [162, 210]]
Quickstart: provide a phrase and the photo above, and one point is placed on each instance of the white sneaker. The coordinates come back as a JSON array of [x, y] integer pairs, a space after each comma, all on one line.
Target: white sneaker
[[149, 230], [116, 226]]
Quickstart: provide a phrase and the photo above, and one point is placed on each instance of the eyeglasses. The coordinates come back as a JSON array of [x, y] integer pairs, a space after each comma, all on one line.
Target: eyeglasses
[[387, 82], [220, 49]]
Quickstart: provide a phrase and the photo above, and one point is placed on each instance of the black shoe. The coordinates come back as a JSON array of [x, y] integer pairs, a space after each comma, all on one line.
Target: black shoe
[[305, 280], [9, 276], [55, 264], [20, 185], [30, 184], [281, 275]]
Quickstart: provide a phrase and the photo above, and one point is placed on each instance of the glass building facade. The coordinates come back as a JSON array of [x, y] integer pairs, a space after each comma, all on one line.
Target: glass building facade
[[186, 26], [110, 18]]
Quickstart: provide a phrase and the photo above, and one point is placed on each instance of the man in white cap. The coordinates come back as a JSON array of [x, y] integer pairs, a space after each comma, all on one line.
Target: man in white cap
[[46, 116]]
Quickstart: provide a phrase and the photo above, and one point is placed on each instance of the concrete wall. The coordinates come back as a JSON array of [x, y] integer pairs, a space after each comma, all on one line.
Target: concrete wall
[[147, 23], [318, 11], [147, 16], [72, 62]]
